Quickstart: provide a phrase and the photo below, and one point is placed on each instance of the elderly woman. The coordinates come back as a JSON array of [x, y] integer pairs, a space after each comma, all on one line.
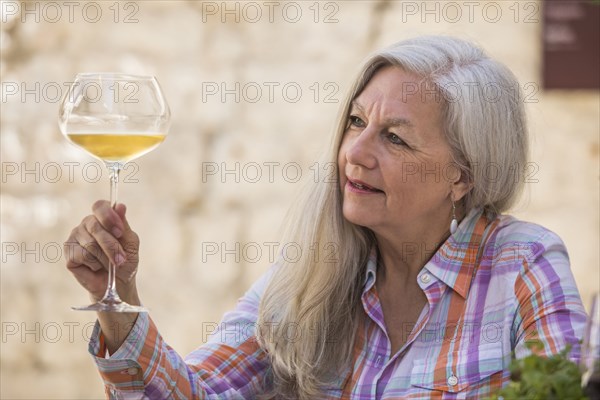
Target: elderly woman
[[428, 290]]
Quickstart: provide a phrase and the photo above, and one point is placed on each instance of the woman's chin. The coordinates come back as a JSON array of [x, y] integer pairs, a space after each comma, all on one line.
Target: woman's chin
[[359, 218]]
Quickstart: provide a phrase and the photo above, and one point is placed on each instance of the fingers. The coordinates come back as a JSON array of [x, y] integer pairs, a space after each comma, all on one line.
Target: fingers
[[81, 249], [94, 243], [129, 240], [109, 245], [128, 235], [121, 209], [92, 281], [83, 261], [100, 238], [108, 218], [90, 253]]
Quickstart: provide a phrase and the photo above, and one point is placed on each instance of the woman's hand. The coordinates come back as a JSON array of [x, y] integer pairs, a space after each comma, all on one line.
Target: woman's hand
[[105, 235]]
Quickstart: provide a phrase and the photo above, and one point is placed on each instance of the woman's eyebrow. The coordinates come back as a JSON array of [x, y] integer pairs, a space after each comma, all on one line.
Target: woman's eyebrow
[[354, 105], [389, 122], [403, 122]]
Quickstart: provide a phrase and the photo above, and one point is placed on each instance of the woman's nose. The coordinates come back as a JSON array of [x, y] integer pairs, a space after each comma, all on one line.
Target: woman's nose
[[362, 151]]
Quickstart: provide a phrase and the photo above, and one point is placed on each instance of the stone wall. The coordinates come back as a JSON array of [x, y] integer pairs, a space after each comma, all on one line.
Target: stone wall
[[213, 64]]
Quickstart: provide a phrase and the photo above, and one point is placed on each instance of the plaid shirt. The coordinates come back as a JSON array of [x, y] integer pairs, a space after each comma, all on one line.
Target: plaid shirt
[[490, 287]]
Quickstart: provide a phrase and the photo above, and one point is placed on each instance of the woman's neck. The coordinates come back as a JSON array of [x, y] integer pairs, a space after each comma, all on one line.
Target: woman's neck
[[402, 256]]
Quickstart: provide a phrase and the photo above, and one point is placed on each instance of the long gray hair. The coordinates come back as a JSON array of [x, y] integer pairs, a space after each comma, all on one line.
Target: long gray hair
[[310, 311]]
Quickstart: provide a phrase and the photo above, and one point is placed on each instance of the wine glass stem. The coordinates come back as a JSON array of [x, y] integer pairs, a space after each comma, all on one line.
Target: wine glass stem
[[111, 294]]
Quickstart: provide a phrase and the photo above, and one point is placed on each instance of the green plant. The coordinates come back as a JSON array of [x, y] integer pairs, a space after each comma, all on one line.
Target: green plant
[[543, 378]]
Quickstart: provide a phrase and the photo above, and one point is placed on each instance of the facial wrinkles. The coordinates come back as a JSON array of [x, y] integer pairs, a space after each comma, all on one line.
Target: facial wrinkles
[[413, 197], [371, 111], [379, 110], [423, 156], [378, 104]]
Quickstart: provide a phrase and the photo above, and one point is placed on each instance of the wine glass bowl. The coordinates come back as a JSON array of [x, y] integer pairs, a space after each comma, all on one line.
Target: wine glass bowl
[[116, 118]]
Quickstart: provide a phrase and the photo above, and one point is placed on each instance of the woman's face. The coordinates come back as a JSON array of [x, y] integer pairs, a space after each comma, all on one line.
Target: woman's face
[[395, 165]]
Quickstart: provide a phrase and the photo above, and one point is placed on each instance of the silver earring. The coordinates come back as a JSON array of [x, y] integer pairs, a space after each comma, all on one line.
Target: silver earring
[[454, 223]]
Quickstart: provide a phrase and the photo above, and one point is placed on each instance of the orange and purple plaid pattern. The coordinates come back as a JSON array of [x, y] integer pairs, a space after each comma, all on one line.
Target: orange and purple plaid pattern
[[493, 285]]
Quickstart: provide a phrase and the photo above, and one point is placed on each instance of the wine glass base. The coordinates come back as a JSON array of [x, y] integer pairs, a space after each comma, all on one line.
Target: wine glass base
[[111, 306]]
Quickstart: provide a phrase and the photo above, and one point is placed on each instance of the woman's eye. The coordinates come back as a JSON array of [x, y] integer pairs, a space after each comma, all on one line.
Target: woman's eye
[[356, 121], [395, 139]]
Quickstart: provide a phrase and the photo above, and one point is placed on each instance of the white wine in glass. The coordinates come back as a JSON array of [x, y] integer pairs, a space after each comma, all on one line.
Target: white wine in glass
[[116, 147], [115, 118]]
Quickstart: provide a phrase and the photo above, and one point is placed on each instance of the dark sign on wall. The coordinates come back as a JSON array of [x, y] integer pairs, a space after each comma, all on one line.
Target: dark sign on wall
[[571, 44]]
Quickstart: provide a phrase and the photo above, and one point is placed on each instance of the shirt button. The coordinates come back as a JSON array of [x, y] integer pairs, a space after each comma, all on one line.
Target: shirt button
[[132, 371], [452, 380], [425, 278]]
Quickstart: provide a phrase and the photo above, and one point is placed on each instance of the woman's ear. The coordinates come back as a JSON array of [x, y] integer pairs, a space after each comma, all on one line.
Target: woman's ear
[[461, 186]]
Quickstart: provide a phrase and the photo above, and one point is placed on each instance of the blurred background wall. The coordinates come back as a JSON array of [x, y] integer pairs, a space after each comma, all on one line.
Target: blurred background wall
[[253, 88]]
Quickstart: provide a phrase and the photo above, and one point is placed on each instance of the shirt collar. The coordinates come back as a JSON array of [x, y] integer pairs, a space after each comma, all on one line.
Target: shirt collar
[[371, 271], [455, 261]]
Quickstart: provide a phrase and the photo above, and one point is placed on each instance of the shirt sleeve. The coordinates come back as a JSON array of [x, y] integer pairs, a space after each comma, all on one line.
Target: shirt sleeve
[[549, 306], [231, 365]]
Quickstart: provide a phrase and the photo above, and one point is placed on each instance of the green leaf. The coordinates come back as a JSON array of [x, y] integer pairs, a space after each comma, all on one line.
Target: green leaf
[[545, 378]]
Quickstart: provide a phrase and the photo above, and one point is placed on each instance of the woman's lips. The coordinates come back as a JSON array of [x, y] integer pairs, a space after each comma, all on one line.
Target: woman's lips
[[361, 187]]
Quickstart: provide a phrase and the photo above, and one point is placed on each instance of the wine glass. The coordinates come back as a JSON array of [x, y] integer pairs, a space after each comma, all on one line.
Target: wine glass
[[590, 352], [116, 118]]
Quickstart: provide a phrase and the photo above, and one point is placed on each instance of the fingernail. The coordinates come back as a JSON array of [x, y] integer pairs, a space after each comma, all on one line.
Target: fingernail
[[119, 259], [117, 232]]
